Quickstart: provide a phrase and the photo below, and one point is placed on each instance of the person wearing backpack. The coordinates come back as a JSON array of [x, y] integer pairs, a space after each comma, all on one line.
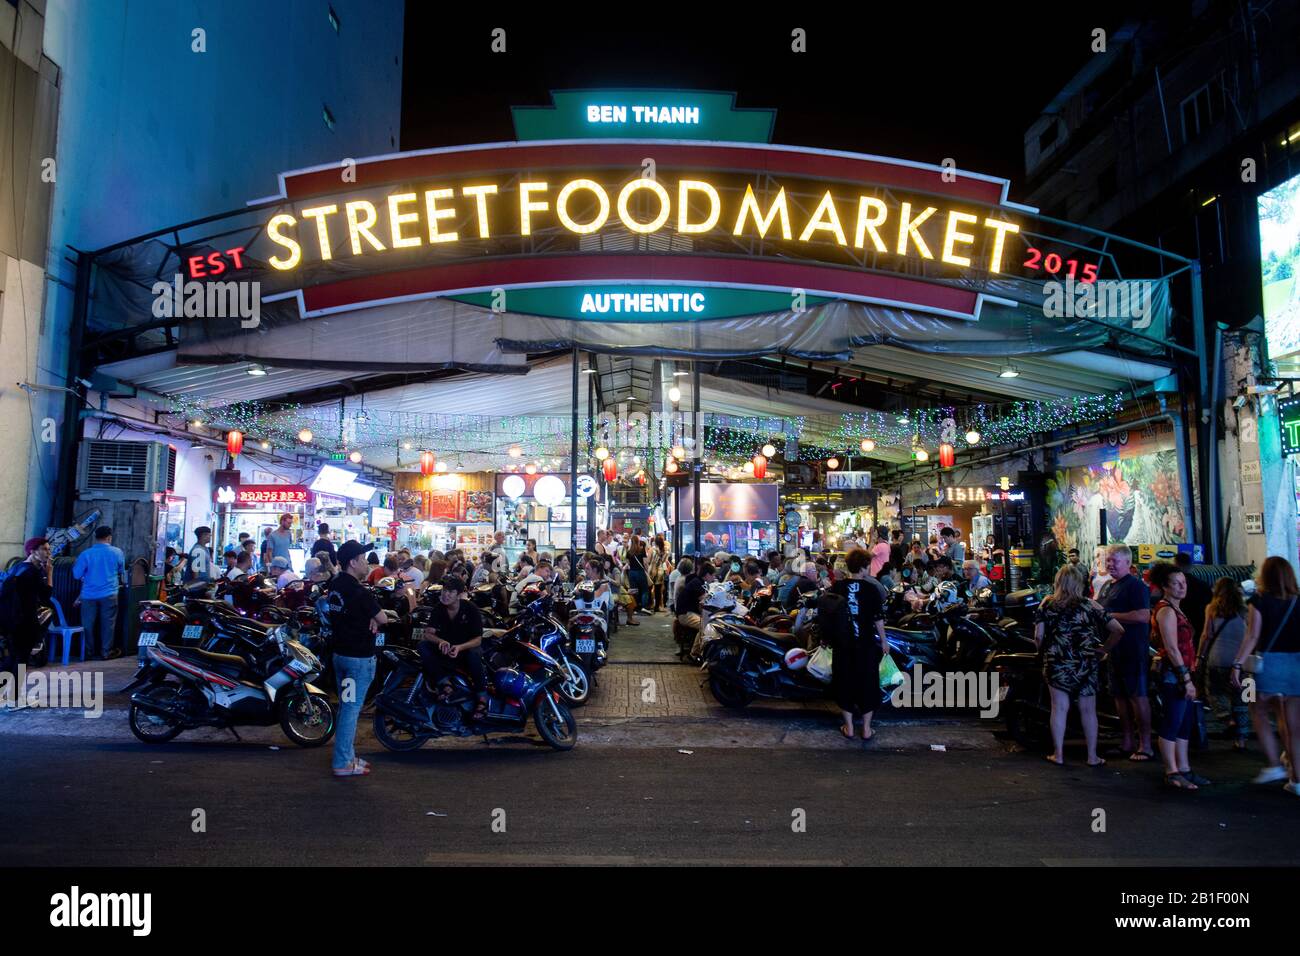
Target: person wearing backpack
[[856, 634], [25, 592]]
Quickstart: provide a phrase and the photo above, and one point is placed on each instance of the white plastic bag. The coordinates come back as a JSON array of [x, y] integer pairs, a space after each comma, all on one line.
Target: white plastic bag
[[819, 664]]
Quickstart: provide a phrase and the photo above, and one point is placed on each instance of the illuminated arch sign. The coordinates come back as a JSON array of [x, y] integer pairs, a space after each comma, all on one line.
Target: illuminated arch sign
[[603, 227]]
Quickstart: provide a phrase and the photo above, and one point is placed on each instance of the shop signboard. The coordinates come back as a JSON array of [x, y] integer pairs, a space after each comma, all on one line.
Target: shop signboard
[[643, 114], [260, 496], [738, 501], [442, 505], [848, 480], [1288, 413], [630, 512]]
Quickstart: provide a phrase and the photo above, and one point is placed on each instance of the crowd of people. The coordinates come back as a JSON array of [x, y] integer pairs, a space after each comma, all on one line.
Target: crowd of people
[[1218, 648]]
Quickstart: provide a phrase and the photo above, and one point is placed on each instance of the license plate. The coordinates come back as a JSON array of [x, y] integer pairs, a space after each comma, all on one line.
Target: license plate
[[301, 667], [148, 639], [192, 632], [587, 645]]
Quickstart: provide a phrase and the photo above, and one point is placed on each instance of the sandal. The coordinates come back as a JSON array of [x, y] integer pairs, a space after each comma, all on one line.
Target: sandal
[[1141, 756], [1098, 763], [1051, 758], [1178, 782], [1195, 778], [355, 769], [846, 732]]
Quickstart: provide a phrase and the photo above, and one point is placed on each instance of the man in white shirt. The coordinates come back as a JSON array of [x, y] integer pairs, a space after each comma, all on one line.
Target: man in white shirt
[[542, 575], [200, 558]]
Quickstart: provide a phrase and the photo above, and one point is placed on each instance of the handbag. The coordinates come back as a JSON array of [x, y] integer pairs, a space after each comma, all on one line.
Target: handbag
[[1254, 664]]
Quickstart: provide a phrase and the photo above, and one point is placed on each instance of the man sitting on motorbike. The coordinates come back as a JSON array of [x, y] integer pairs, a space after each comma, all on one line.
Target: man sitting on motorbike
[[691, 593], [455, 633], [809, 574], [542, 575]]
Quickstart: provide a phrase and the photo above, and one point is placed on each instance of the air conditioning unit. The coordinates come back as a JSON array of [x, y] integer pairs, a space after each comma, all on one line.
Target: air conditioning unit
[[125, 470]]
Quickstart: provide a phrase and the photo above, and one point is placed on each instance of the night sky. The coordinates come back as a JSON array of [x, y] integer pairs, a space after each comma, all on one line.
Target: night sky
[[944, 81]]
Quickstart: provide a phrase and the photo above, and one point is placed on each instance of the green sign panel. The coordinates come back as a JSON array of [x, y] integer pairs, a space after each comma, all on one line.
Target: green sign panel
[[643, 114], [1288, 413], [638, 303], [338, 456]]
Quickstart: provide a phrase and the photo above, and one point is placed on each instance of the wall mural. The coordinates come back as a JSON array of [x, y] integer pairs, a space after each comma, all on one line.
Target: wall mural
[[1138, 488]]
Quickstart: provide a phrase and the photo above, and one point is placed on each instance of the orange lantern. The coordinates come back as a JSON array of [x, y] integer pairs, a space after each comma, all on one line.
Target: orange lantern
[[610, 467], [760, 466], [427, 462], [234, 442], [947, 455]]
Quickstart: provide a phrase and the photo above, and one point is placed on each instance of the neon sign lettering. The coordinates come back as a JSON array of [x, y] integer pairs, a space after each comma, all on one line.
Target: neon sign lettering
[[643, 206]]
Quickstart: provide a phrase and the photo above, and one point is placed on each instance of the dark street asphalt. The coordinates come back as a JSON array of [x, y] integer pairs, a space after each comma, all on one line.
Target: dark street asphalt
[[72, 801]]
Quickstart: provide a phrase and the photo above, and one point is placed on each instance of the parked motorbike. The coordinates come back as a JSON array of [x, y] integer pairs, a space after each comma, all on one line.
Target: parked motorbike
[[524, 681], [181, 688]]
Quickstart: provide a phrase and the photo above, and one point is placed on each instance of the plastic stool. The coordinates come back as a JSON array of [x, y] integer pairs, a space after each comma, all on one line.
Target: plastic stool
[[66, 633]]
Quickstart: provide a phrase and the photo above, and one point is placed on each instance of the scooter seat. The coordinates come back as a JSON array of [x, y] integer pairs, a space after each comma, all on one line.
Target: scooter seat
[[228, 664], [913, 637], [784, 640]]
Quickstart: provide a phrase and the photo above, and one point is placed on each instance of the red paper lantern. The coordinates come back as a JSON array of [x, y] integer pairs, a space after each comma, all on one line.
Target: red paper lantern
[[427, 460], [760, 467], [611, 468], [234, 442], [947, 455]]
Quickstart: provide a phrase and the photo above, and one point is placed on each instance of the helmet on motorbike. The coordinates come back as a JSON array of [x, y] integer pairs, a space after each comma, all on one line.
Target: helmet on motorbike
[[510, 681], [796, 658], [719, 597]]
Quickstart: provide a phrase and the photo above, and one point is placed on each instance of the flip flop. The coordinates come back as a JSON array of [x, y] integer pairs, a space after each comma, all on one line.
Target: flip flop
[[1051, 758], [1141, 756], [1178, 782], [1100, 763]]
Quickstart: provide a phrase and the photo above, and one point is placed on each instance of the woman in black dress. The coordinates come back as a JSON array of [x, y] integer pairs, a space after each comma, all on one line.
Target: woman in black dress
[[855, 667]]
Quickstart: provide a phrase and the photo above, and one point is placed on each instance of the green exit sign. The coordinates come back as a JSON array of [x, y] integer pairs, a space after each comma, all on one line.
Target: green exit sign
[[1288, 411], [338, 456]]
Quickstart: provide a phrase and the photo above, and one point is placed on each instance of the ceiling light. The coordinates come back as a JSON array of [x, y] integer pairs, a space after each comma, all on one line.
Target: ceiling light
[[406, 445], [973, 437], [679, 451], [305, 436], [266, 446], [904, 420], [516, 451], [355, 458], [921, 454], [1009, 371], [256, 370], [867, 445], [602, 453], [196, 424], [588, 371], [674, 394], [680, 374], [832, 463], [769, 450]]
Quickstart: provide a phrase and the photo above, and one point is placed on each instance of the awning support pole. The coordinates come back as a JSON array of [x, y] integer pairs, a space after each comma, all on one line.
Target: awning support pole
[[573, 478]]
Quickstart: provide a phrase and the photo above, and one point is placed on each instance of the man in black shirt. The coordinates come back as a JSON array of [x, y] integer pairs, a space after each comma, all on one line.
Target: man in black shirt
[[25, 592], [350, 619], [897, 549], [456, 631], [323, 543], [690, 595]]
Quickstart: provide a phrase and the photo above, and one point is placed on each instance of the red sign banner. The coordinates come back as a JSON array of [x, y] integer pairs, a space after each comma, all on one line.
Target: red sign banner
[[251, 495]]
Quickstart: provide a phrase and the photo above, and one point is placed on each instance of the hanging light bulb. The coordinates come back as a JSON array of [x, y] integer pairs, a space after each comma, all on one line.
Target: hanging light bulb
[[679, 452], [972, 437], [769, 450], [832, 463], [305, 436], [920, 454], [516, 451], [441, 466], [530, 469], [355, 457], [749, 467], [406, 445], [671, 466], [602, 453], [867, 445], [266, 446], [674, 394]]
